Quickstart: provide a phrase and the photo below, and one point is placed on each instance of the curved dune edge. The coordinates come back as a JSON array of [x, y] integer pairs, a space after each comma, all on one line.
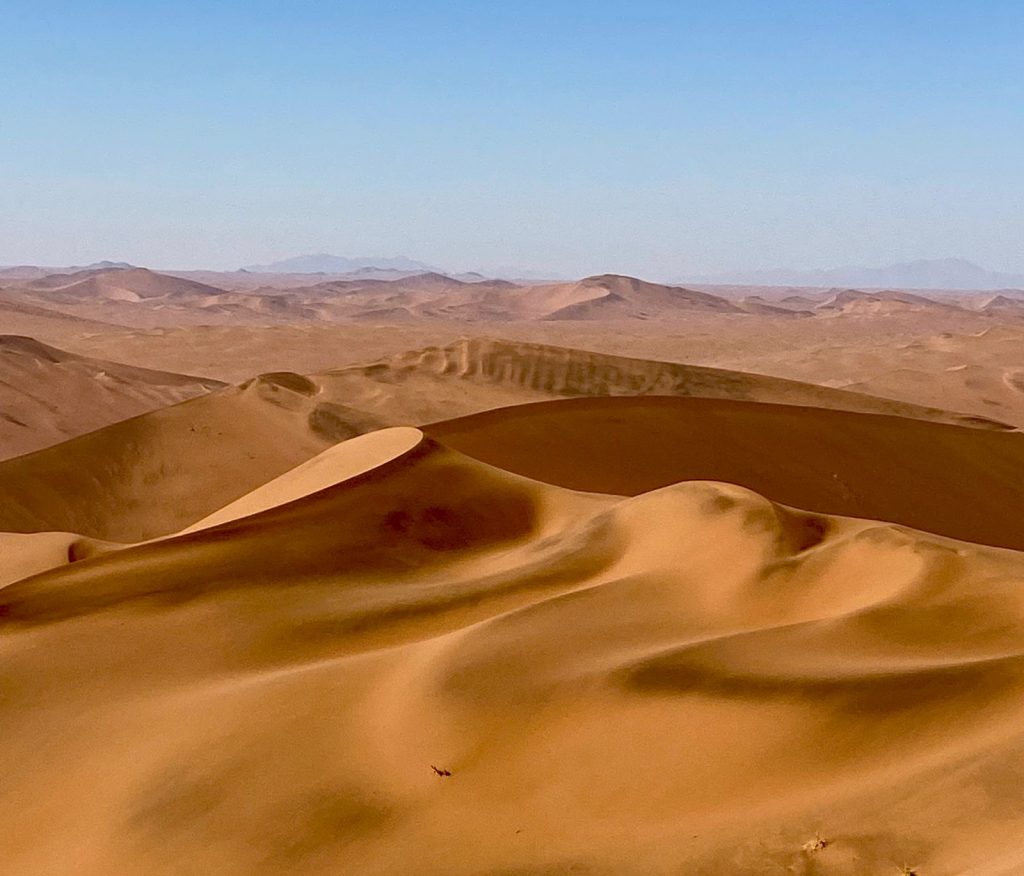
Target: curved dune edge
[[23, 555], [956, 481], [693, 680], [337, 464]]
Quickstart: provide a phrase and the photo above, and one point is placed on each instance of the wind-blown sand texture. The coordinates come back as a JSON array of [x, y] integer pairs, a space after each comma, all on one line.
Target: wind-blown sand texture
[[695, 680]]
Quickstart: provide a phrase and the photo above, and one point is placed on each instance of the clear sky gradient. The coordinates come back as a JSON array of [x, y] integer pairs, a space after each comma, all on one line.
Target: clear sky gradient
[[652, 138]]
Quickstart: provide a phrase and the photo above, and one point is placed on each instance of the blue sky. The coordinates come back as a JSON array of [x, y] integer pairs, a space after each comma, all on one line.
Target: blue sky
[[653, 138]]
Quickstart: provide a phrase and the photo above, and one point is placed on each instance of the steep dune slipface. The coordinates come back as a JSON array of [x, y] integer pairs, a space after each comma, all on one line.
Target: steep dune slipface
[[339, 463], [694, 680], [956, 481]]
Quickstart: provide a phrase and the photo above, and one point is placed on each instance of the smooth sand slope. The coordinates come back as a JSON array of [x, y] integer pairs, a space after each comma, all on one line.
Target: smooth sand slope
[[694, 680], [48, 395], [156, 473], [961, 482]]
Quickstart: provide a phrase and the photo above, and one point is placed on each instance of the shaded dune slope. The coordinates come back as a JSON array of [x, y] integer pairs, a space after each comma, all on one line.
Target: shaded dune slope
[[961, 482], [694, 680], [48, 395], [156, 473]]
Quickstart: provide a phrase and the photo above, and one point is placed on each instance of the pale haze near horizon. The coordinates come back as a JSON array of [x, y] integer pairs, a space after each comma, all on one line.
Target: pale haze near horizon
[[657, 139]]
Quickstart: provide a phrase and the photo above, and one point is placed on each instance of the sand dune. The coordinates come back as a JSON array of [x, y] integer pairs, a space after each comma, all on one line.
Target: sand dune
[[337, 464], [156, 473], [955, 481], [695, 680], [138, 297], [121, 284], [474, 374], [21, 318], [141, 298], [787, 307], [612, 296], [1004, 305], [854, 301], [48, 395]]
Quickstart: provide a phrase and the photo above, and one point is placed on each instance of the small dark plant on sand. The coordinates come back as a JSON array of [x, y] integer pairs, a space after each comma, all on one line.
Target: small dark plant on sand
[[815, 845]]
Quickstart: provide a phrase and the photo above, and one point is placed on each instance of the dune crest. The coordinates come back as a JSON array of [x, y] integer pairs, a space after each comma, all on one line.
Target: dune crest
[[339, 463]]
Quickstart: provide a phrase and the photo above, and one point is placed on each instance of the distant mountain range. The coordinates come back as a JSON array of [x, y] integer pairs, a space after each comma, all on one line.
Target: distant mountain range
[[322, 263], [923, 274]]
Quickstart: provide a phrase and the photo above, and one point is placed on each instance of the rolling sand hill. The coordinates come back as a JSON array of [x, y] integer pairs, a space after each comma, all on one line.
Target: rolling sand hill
[[48, 395], [137, 297], [474, 374], [119, 284], [612, 296], [1004, 306], [854, 301], [952, 480], [18, 317], [436, 667], [756, 304], [155, 474], [140, 297]]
